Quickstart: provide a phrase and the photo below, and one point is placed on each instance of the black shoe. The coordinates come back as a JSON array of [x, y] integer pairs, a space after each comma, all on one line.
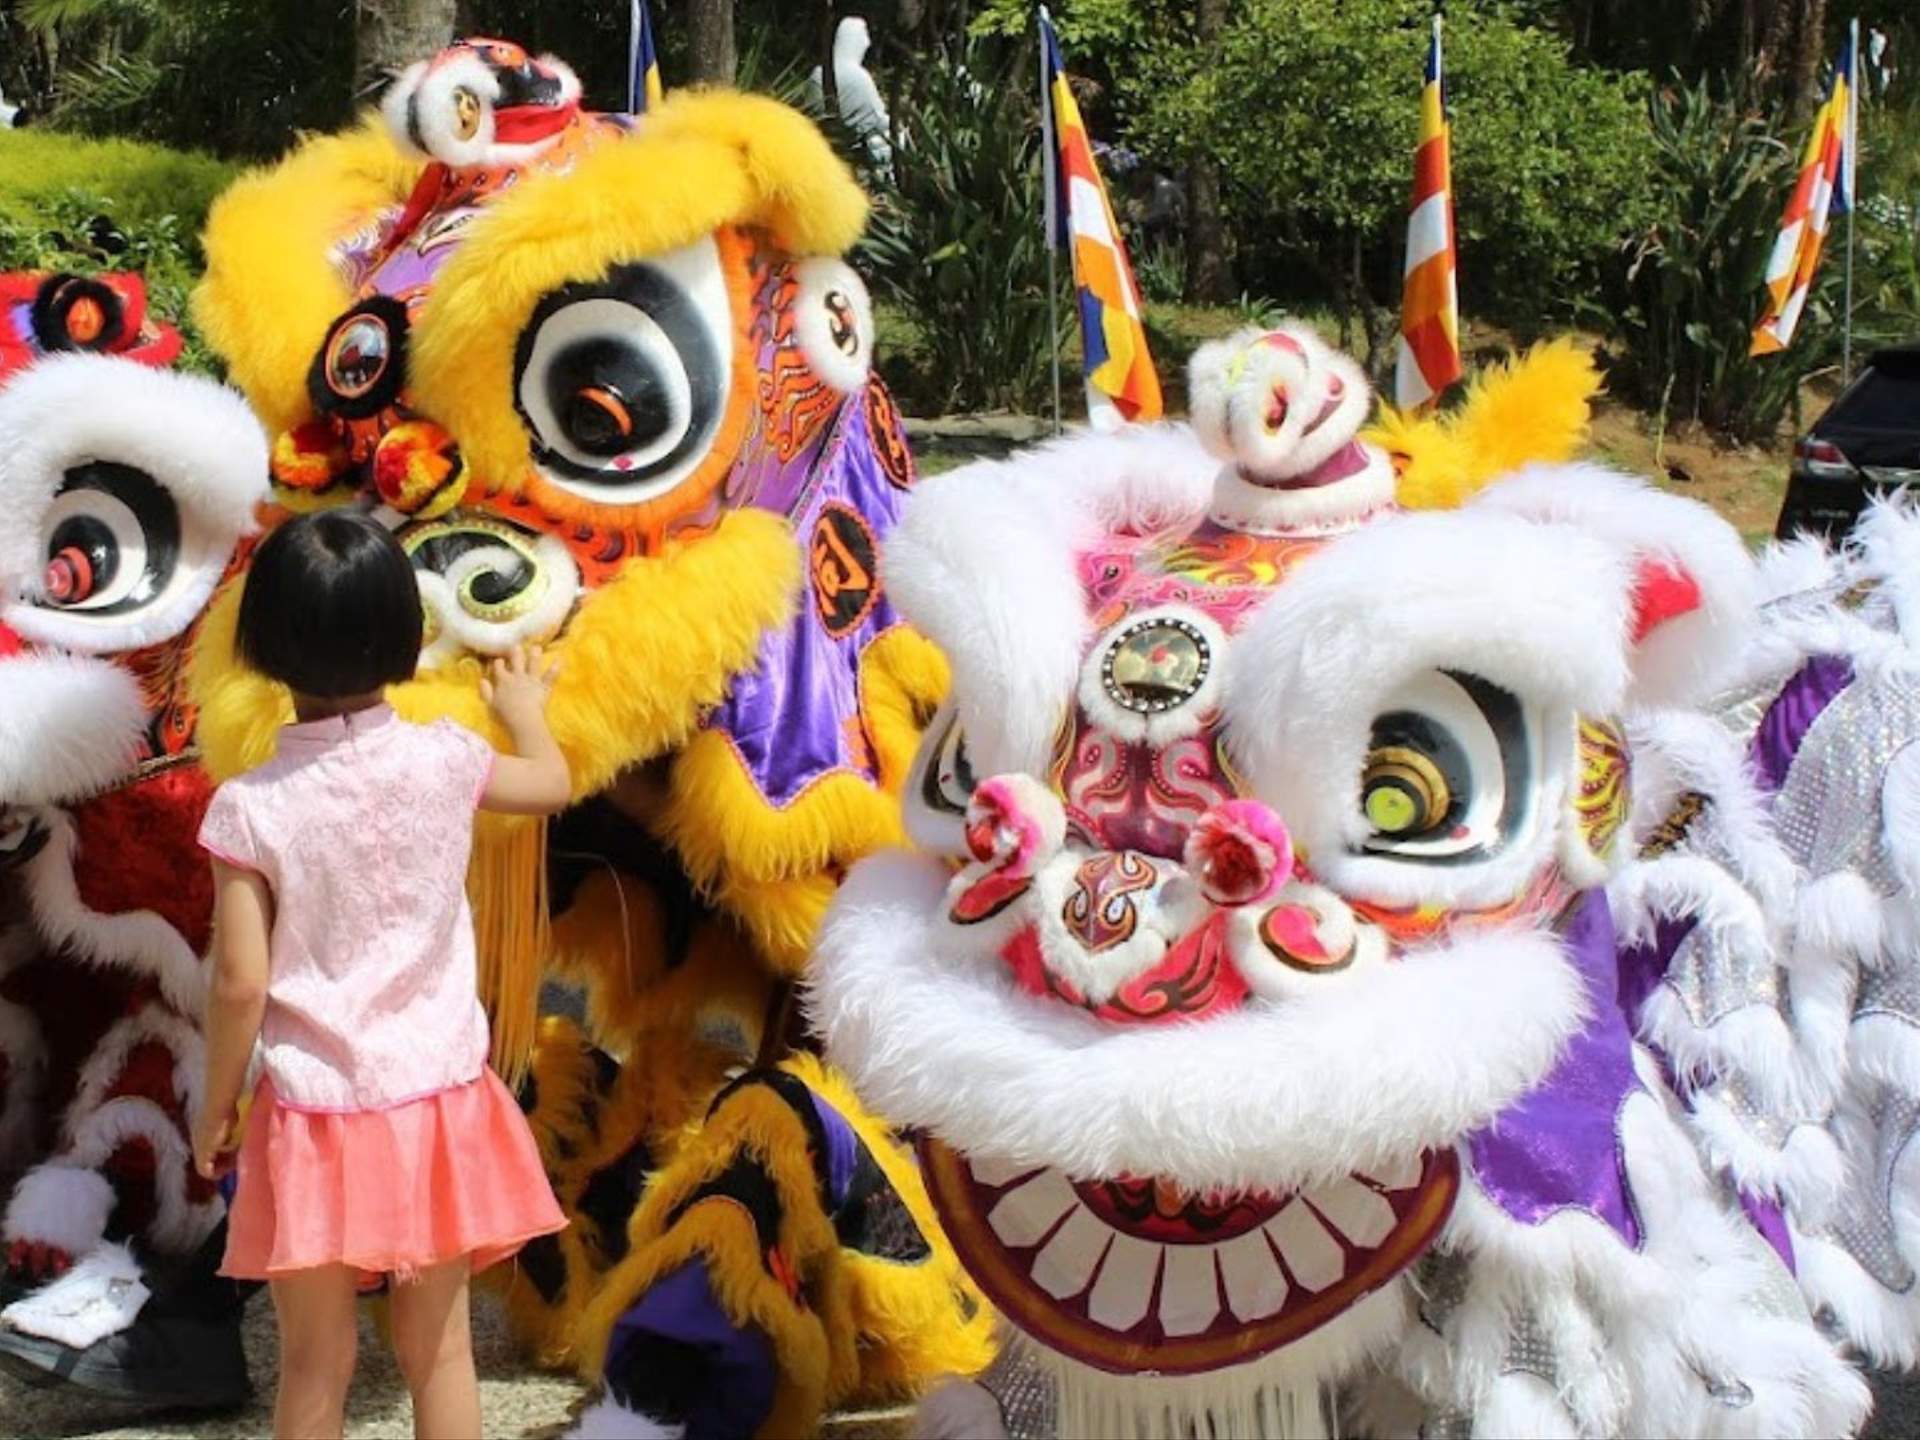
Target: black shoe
[[160, 1362]]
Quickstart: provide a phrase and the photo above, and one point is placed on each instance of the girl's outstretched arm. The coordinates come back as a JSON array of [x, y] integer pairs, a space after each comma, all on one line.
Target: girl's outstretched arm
[[236, 1000], [534, 780]]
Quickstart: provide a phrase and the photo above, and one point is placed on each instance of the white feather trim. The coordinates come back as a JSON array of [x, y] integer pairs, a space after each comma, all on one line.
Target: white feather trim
[[1269, 1096], [1522, 1406], [70, 726]]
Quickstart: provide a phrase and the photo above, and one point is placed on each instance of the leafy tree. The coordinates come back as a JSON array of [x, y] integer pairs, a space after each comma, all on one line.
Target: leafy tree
[[1311, 114]]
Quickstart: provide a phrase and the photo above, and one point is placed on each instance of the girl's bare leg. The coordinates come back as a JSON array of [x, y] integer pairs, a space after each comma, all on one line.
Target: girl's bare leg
[[315, 1309], [434, 1342]]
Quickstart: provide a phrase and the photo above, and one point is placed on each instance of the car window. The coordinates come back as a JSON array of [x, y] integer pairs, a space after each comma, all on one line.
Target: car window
[[1880, 399]]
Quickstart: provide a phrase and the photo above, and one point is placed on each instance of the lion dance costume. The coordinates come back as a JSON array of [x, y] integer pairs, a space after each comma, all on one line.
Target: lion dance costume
[[1257, 991], [125, 493], [608, 381]]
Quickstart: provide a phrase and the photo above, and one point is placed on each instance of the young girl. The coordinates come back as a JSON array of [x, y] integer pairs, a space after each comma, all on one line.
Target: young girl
[[379, 1141]]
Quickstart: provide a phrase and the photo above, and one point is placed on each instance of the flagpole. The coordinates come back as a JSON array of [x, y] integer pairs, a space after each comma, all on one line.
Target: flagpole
[[1853, 194], [1050, 200]]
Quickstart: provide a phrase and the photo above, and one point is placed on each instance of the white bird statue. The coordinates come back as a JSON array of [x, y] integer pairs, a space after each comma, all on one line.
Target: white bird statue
[[861, 106], [9, 113]]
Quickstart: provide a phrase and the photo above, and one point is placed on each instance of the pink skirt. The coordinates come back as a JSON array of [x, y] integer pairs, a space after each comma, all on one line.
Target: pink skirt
[[388, 1192]]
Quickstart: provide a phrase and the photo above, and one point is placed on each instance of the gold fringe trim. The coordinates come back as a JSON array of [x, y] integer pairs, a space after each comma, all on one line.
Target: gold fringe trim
[[507, 885]]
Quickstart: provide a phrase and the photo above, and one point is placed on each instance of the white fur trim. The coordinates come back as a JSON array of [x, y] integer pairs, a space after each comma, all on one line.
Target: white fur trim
[[1806, 1173], [1266, 1097], [100, 1296], [1525, 1407], [151, 1024], [194, 438], [1697, 1302], [1685, 659], [62, 1205], [1887, 540], [179, 1224], [1246, 505], [1837, 922], [1539, 611], [983, 562], [608, 1419], [421, 99], [1233, 383], [70, 725], [139, 940], [1700, 754]]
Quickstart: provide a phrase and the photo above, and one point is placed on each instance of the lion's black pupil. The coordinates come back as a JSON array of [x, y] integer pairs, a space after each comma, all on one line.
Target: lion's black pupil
[[614, 369], [92, 538]]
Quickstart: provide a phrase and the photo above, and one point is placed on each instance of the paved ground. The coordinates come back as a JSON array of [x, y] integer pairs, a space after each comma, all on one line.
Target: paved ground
[[516, 1402]]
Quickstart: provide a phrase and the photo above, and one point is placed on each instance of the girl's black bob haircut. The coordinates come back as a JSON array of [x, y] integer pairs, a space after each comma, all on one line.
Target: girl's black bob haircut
[[331, 608]]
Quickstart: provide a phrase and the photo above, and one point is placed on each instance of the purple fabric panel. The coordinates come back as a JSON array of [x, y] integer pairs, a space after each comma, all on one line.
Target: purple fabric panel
[[1792, 714], [1558, 1147], [682, 1308], [1644, 967], [791, 716], [1768, 1219], [843, 1149]]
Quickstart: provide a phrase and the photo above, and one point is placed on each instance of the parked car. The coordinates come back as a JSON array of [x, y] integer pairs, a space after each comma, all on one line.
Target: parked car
[[1867, 443]]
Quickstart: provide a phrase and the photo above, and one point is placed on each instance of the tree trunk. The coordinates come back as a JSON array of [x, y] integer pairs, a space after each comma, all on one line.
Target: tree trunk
[[710, 29], [1809, 49], [829, 79], [389, 35], [1207, 280]]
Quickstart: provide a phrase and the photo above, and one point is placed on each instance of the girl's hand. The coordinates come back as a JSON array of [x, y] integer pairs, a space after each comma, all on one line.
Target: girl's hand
[[517, 687], [214, 1137]]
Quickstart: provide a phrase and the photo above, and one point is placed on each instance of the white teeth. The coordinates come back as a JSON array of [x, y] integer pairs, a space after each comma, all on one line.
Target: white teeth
[[1189, 1291], [1067, 1264], [1314, 1256], [1360, 1214], [1025, 1215], [1125, 1288], [996, 1173], [1255, 1286], [1399, 1173]]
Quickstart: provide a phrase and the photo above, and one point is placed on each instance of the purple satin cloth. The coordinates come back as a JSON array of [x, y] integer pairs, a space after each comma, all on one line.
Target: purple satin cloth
[[682, 1308], [1799, 703], [795, 717], [843, 1150], [1558, 1147], [1767, 1217]]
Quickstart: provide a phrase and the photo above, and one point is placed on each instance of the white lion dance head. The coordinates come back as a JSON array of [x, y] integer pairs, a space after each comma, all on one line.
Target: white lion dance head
[[1256, 992]]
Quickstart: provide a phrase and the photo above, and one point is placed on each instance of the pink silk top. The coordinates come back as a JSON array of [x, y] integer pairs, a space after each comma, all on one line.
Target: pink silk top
[[361, 826]]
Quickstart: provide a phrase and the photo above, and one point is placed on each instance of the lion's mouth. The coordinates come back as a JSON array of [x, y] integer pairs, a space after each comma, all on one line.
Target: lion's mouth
[[23, 835], [1131, 1275]]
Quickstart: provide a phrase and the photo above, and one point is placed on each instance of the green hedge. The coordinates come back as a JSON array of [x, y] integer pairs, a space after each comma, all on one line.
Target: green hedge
[[68, 203]]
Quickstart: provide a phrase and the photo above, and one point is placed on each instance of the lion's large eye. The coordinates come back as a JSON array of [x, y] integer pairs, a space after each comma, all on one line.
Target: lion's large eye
[[624, 383], [112, 541], [1448, 772]]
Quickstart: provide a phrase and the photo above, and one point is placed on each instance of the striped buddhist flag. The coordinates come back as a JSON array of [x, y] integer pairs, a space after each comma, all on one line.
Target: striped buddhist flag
[[1825, 186], [643, 61], [1121, 384], [1429, 300]]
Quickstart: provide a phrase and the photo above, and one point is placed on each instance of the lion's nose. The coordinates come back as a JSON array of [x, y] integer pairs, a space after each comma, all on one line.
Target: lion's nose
[[1239, 852]]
